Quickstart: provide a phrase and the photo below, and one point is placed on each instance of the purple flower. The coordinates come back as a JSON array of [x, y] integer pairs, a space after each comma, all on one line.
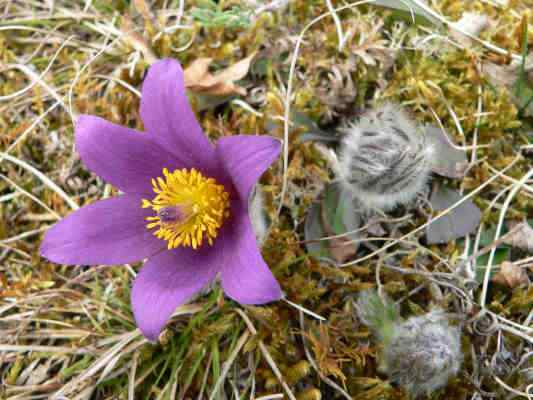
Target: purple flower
[[184, 207]]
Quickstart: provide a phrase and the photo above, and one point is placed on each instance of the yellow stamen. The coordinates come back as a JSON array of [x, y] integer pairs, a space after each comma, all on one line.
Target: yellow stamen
[[188, 206]]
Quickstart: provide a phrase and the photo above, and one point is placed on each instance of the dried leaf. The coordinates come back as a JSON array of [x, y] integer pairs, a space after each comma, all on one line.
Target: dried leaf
[[500, 75], [197, 70], [236, 71], [511, 275], [508, 74], [470, 23], [342, 248], [447, 160], [522, 237], [200, 80], [459, 222], [375, 228]]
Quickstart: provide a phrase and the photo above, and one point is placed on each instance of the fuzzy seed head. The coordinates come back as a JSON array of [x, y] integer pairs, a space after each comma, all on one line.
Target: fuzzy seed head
[[384, 158], [423, 353]]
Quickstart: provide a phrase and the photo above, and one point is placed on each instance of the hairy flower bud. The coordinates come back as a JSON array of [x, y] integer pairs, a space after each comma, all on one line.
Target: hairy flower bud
[[384, 158], [421, 353]]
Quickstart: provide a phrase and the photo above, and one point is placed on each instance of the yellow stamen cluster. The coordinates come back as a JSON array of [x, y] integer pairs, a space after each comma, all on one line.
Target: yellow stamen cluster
[[189, 208]]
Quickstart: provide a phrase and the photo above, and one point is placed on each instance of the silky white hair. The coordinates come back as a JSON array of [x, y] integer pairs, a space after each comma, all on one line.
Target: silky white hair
[[423, 353], [384, 158]]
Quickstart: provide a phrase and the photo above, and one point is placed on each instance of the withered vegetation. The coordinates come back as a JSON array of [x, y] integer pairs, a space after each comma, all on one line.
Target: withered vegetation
[[68, 331]]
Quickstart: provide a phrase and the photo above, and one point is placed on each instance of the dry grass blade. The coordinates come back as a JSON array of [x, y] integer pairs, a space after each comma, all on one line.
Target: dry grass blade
[[102, 362], [47, 181], [306, 69]]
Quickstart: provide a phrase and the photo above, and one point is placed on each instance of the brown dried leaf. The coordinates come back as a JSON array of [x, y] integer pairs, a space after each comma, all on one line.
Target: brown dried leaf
[[522, 237], [507, 74], [197, 71], [500, 75], [200, 80], [470, 23], [342, 249], [511, 275], [236, 71]]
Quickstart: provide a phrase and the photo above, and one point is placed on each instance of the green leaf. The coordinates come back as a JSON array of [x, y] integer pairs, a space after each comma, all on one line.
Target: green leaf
[[334, 209], [522, 90], [313, 230], [336, 214]]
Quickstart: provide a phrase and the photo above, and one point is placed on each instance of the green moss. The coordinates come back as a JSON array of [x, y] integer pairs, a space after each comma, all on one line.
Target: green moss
[[90, 309]]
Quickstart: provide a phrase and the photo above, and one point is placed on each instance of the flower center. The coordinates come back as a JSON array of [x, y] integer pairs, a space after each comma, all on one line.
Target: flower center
[[189, 208]]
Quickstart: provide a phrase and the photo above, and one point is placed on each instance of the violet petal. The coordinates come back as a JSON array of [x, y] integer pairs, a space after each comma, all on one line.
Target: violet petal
[[245, 276], [245, 158], [167, 281], [111, 231], [167, 115], [124, 157]]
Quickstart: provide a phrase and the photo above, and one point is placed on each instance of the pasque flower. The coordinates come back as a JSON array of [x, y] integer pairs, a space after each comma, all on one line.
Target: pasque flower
[[184, 205]]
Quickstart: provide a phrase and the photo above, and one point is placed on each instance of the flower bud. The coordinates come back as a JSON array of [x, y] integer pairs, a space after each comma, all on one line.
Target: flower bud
[[421, 353], [384, 158]]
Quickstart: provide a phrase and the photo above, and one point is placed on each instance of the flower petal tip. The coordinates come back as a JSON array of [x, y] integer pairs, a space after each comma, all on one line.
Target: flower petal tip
[[46, 249], [110, 231], [151, 335], [257, 298], [165, 282], [169, 118], [251, 285]]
